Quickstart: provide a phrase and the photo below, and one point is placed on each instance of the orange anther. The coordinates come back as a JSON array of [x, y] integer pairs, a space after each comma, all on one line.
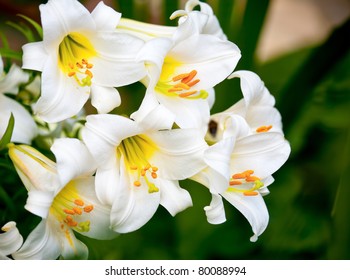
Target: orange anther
[[252, 178], [79, 202], [71, 65], [133, 167], [69, 218], [71, 74], [88, 208], [250, 193], [192, 83], [77, 210], [88, 72], [137, 183], [189, 77], [263, 128], [180, 77], [148, 166], [68, 211], [235, 182], [188, 93], [154, 168], [174, 89], [89, 66], [84, 61], [154, 175], [239, 176], [79, 65], [72, 223], [182, 86]]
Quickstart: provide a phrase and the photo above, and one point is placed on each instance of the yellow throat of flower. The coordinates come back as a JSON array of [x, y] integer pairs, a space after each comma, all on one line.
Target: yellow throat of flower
[[71, 210], [179, 85], [73, 54], [137, 151]]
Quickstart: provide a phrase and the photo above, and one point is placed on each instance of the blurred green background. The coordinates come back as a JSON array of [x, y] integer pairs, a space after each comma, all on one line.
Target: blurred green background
[[305, 65]]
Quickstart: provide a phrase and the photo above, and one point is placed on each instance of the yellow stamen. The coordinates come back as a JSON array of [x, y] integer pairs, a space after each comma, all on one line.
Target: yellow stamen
[[71, 74]]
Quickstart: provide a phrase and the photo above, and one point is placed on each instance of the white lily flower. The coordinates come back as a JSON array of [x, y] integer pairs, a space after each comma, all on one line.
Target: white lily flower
[[140, 161], [10, 240], [210, 25], [63, 195], [81, 55], [25, 128], [183, 70], [244, 154]]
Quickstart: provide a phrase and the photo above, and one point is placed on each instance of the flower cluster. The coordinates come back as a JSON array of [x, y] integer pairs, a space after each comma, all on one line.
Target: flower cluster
[[108, 173]]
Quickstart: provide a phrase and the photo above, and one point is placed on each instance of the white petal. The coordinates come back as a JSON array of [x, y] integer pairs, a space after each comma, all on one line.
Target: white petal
[[264, 153], [152, 116], [107, 180], [215, 211], [253, 88], [10, 240], [25, 128], [218, 157], [133, 206], [212, 67], [180, 153], [41, 244], [253, 208], [99, 217], [61, 17], [105, 17], [188, 113], [73, 159], [14, 78], [34, 56], [102, 133], [115, 63], [61, 96], [174, 198], [35, 170], [104, 99], [39, 202]]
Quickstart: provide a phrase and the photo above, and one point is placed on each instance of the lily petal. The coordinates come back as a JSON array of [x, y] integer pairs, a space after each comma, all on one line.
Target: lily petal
[[173, 154], [133, 207], [73, 159], [61, 97], [36, 171], [41, 244], [253, 208], [215, 211], [104, 99], [174, 198], [34, 56], [25, 128], [10, 240], [263, 153], [58, 18], [105, 17]]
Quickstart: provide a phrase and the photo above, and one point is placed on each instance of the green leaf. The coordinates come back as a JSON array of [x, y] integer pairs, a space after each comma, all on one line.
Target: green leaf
[[37, 26], [6, 138]]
